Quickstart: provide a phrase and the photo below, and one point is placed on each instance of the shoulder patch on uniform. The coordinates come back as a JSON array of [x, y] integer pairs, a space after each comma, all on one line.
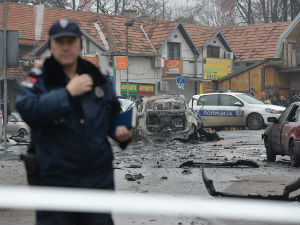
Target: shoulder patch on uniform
[[99, 92], [29, 81], [35, 72]]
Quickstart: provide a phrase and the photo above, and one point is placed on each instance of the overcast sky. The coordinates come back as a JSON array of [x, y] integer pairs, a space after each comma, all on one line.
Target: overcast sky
[[185, 2]]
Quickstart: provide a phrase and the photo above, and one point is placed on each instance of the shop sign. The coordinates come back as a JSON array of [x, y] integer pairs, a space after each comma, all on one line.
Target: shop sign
[[215, 68], [146, 88], [131, 87], [173, 67], [122, 62], [201, 88]]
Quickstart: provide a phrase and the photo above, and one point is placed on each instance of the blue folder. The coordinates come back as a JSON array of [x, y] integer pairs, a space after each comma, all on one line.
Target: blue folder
[[127, 119]]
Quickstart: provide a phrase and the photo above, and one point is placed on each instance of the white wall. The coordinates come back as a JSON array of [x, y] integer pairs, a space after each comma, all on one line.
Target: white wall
[[140, 70], [186, 51], [188, 67]]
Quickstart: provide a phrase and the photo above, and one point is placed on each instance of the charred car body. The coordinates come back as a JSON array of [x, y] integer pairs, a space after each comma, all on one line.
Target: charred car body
[[165, 118]]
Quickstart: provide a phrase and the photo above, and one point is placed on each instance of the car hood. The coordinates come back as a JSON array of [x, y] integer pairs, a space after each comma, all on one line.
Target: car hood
[[265, 106]]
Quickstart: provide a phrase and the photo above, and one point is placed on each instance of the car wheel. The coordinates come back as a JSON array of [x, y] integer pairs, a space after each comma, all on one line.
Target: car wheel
[[271, 156], [295, 161], [255, 121], [22, 133]]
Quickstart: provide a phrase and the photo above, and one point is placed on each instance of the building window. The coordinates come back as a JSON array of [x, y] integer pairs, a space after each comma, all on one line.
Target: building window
[[173, 51], [90, 48], [213, 52]]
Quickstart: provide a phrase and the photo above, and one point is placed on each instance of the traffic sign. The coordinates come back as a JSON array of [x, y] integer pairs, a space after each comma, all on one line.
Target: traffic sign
[[11, 47], [180, 83]]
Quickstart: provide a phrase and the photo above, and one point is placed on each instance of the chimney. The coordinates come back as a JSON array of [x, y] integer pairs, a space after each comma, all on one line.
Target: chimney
[[131, 13]]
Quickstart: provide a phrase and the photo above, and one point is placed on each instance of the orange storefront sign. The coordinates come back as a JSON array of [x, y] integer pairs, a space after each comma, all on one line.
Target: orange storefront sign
[[91, 59], [146, 88], [173, 67], [122, 62], [38, 63]]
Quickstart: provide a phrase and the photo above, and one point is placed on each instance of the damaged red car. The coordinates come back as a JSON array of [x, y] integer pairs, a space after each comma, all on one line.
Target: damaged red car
[[282, 136]]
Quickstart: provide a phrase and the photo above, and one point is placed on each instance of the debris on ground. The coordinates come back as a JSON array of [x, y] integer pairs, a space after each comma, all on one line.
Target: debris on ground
[[133, 177], [17, 140], [292, 187], [186, 172], [209, 135], [133, 166], [236, 163]]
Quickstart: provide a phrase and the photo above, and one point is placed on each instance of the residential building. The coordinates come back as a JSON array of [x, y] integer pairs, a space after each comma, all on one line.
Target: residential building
[[160, 52]]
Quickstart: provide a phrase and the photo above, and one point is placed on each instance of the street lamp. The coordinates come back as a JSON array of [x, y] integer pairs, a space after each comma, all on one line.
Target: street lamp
[[128, 23]]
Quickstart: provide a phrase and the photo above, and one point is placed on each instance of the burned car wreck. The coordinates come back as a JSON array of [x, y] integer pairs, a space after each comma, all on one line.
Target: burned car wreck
[[166, 118]]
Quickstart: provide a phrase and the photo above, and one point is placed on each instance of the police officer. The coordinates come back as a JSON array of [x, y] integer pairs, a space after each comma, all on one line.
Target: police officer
[[70, 105]]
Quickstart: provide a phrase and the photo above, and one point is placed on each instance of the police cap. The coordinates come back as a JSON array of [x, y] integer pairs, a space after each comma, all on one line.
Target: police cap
[[63, 28]]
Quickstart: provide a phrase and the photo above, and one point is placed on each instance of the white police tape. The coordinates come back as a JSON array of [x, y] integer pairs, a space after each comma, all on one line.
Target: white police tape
[[87, 200]]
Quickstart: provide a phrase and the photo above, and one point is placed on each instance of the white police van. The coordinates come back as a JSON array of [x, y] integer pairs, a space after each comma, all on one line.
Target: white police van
[[233, 109]]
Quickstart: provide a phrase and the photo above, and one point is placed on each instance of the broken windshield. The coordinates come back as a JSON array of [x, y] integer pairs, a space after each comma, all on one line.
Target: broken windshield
[[166, 105]]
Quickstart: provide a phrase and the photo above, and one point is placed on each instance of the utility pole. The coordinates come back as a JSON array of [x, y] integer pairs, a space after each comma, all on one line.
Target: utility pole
[[128, 23], [4, 112], [163, 9]]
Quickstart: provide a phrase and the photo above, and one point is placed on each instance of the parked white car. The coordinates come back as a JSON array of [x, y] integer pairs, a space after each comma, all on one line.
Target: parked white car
[[233, 109], [126, 104], [16, 126]]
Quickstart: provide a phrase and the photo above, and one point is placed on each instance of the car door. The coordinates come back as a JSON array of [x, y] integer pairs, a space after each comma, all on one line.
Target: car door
[[287, 129], [12, 125], [277, 127], [208, 109], [230, 113]]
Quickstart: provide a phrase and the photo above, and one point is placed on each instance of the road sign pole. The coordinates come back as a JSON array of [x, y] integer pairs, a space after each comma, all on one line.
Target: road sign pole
[[5, 89]]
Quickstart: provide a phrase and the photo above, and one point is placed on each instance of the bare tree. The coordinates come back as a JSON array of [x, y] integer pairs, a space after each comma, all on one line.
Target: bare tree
[[148, 9], [295, 8], [206, 12], [101, 6], [285, 10]]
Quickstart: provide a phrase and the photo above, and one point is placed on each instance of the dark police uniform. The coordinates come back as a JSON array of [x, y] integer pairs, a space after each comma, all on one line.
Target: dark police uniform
[[69, 134]]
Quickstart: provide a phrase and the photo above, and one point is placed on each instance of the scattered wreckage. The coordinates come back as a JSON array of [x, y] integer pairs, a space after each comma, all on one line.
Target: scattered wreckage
[[168, 117], [286, 196], [233, 163]]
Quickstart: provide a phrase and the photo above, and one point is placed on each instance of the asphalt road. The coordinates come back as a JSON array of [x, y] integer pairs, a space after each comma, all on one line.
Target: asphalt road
[[158, 164]]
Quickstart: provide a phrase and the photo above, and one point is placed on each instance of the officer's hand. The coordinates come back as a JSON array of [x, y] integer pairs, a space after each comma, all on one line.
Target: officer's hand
[[123, 134], [79, 85]]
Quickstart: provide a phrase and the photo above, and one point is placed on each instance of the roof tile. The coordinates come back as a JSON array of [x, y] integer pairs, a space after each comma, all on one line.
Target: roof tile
[[251, 42]]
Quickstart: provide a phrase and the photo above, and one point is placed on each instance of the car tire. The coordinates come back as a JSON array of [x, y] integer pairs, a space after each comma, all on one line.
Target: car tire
[[271, 156], [22, 133], [255, 121], [295, 161]]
